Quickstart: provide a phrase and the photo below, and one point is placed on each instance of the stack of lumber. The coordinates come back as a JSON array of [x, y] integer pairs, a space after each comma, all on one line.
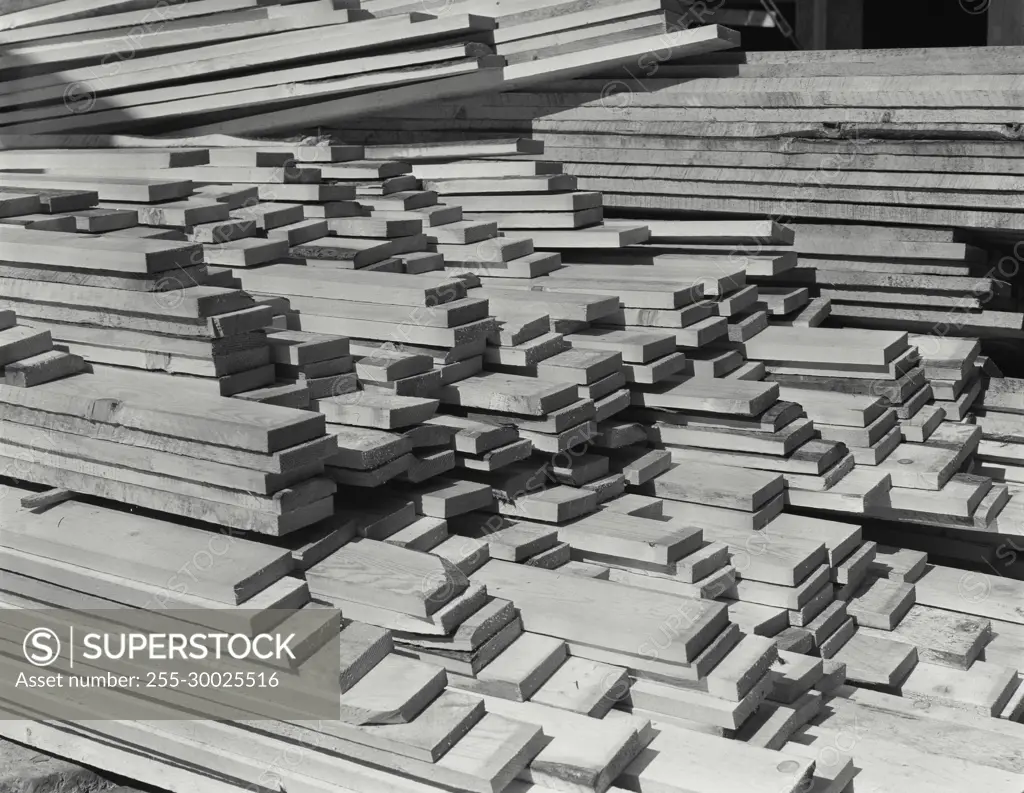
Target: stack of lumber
[[872, 392], [305, 63], [880, 366], [724, 421], [862, 386], [937, 636], [163, 444], [137, 561], [700, 256], [396, 716], [998, 414], [557, 216], [701, 674], [713, 143], [723, 259], [542, 40], [737, 455], [955, 369], [380, 412], [924, 738], [437, 699], [27, 355], [157, 241], [920, 144], [911, 278], [556, 421], [137, 304]]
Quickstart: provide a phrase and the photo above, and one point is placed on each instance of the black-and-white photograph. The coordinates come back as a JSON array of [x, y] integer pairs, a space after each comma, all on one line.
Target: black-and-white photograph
[[511, 396]]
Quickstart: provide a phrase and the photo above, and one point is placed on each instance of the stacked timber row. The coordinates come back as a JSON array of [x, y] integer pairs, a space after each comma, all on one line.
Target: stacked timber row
[[163, 69], [450, 645], [344, 295], [343, 551], [305, 63], [28, 356], [738, 670], [912, 154], [496, 635], [541, 41], [169, 443]]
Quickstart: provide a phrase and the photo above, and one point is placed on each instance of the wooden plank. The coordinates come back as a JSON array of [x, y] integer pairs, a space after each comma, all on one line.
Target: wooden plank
[[930, 465], [718, 486], [635, 347], [769, 556], [474, 81], [985, 688], [709, 764], [376, 409], [392, 692], [96, 252], [171, 36], [573, 608], [708, 395], [857, 347], [972, 592], [232, 578], [583, 686], [105, 20], [877, 661], [427, 736], [398, 575], [602, 537], [518, 670], [190, 302], [584, 753], [944, 638], [896, 746], [30, 576], [360, 286], [509, 393], [880, 603], [179, 412]]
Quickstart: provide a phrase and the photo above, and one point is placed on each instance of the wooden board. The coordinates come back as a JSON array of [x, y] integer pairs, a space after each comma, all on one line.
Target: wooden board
[[232, 577], [578, 609], [717, 486], [397, 577]]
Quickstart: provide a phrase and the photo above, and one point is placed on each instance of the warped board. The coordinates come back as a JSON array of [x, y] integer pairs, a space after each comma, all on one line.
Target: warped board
[[105, 19], [235, 102], [277, 48], [169, 36], [337, 77], [682, 43]]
